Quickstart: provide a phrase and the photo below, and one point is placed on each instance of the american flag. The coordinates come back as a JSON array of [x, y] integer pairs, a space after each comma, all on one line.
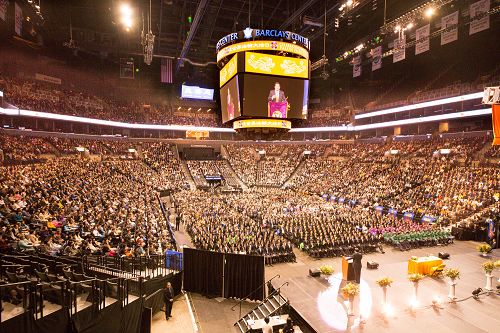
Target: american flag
[[166, 70]]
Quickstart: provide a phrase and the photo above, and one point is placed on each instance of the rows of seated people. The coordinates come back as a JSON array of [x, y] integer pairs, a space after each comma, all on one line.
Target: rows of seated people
[[329, 116], [47, 97], [23, 148], [230, 223], [73, 207]]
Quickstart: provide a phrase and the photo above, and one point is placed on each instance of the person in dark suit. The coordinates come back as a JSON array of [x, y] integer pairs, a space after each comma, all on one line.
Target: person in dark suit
[[276, 95], [177, 222], [356, 258], [168, 298]]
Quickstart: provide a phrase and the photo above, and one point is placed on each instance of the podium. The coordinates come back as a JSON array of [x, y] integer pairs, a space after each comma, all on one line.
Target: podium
[[347, 269], [277, 109]]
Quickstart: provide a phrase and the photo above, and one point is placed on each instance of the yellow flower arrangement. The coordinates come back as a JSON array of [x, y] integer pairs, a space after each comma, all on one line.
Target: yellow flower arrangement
[[385, 282], [452, 273], [488, 266], [326, 269], [350, 290], [484, 248], [415, 277]]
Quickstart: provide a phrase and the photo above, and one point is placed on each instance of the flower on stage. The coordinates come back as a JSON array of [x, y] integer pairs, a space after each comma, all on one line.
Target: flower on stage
[[350, 290], [326, 269], [488, 266], [415, 277], [385, 282], [452, 273]]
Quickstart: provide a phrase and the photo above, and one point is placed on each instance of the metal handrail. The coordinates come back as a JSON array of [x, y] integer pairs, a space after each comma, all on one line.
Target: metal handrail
[[262, 285], [276, 291]]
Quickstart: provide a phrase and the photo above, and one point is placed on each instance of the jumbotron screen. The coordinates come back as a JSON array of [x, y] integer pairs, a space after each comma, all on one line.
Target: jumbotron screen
[[230, 100], [274, 96]]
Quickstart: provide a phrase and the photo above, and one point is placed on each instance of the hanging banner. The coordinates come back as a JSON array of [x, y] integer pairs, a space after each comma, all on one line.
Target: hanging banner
[[449, 26], [422, 39], [399, 52], [376, 58], [3, 9], [479, 17], [356, 66], [18, 22], [496, 123]]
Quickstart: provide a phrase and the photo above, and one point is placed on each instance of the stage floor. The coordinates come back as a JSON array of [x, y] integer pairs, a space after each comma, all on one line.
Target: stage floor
[[319, 302]]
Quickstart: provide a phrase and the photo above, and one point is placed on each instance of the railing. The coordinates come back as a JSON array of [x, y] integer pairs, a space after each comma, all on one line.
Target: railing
[[253, 291], [276, 291], [65, 293], [150, 266]]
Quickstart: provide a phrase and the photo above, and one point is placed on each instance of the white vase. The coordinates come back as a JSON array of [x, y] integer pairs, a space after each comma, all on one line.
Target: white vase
[[384, 289], [452, 295], [489, 282], [350, 310], [415, 290]]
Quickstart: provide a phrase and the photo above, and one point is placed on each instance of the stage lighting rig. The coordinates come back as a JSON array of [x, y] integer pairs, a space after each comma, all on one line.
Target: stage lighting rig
[[148, 40], [426, 10]]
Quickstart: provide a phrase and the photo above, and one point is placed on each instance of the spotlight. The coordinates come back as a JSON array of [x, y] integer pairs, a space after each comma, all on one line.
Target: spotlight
[[199, 109], [413, 303], [429, 12], [409, 26], [189, 109], [349, 3], [388, 310], [397, 28], [125, 9], [476, 293]]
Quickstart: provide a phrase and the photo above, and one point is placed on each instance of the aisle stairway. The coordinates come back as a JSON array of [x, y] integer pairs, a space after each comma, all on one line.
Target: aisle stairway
[[187, 174], [269, 307], [298, 169]]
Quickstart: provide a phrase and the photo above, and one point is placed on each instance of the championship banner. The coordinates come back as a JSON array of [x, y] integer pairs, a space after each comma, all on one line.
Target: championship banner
[[496, 123], [228, 71], [449, 26], [422, 39], [399, 52], [276, 65], [479, 17], [356, 66], [18, 22], [3, 9], [376, 58]]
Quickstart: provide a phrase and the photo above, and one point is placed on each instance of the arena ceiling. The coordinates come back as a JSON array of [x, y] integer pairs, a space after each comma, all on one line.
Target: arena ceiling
[[95, 27]]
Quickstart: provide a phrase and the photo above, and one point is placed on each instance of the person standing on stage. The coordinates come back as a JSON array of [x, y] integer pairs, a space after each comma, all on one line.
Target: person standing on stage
[[168, 298], [356, 258]]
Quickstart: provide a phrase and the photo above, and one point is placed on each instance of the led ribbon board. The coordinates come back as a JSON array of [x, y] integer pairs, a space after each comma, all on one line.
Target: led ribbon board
[[262, 123], [276, 65], [228, 71], [263, 45]]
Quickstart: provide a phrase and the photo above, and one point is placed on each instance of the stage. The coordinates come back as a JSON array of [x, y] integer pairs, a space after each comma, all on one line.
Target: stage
[[319, 301]]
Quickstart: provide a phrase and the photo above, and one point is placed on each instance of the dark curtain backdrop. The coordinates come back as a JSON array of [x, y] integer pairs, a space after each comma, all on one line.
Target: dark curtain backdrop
[[244, 275], [203, 272]]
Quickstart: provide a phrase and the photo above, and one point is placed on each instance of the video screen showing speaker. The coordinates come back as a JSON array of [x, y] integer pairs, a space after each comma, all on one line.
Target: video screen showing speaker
[[230, 100], [274, 96]]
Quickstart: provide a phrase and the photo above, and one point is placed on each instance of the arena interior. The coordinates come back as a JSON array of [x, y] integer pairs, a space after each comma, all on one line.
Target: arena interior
[[212, 166]]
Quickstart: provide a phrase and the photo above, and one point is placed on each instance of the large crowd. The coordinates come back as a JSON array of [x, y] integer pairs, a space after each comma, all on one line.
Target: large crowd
[[325, 199], [48, 97]]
